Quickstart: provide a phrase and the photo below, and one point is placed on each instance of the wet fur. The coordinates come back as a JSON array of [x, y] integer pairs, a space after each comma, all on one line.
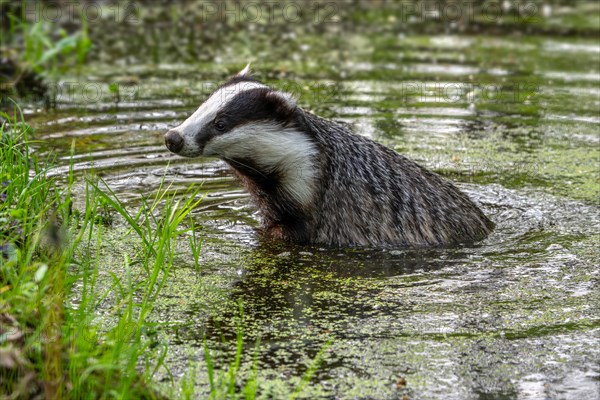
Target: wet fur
[[316, 182]]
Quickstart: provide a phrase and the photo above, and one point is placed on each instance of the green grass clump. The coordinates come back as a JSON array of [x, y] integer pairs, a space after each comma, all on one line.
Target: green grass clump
[[50, 348]]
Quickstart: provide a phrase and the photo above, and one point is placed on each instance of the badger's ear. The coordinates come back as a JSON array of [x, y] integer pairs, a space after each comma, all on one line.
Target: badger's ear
[[281, 103], [245, 72]]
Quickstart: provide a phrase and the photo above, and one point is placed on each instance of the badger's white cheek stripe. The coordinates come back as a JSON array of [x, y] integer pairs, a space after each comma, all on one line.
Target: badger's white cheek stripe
[[272, 147]]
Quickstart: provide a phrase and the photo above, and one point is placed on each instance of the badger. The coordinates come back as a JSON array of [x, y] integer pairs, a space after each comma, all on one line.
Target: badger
[[315, 182]]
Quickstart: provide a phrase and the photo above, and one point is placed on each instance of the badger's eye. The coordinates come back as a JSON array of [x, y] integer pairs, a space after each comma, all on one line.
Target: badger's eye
[[219, 125]]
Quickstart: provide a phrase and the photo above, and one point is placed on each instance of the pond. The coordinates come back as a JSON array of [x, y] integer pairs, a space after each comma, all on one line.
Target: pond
[[509, 112]]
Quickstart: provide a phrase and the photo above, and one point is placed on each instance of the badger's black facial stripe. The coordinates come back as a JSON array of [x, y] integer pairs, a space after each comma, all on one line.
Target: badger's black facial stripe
[[255, 105], [205, 134]]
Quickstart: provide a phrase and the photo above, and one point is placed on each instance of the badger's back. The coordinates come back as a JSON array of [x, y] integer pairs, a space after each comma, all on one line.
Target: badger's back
[[370, 195]]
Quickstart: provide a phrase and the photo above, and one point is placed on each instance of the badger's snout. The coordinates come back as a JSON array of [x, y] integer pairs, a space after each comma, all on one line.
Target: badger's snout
[[174, 141]]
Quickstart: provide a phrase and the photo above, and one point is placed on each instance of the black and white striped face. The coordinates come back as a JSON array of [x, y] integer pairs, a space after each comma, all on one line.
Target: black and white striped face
[[232, 118], [247, 123]]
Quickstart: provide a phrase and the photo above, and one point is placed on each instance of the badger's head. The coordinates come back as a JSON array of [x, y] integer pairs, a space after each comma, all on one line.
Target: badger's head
[[254, 128]]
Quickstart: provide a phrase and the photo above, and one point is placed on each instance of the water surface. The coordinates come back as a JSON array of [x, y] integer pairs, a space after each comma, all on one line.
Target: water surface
[[513, 119]]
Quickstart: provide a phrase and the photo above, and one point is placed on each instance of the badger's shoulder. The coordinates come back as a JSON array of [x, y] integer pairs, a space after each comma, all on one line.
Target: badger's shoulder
[[371, 194]]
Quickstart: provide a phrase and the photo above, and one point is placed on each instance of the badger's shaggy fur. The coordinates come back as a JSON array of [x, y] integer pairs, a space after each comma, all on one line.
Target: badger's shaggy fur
[[316, 182]]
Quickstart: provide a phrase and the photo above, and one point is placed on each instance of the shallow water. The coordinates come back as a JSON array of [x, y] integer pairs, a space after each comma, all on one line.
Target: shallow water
[[512, 119]]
